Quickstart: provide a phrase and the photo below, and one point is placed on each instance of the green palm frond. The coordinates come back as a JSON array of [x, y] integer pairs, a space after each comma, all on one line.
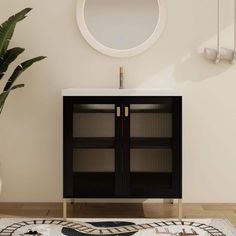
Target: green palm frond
[[8, 58], [7, 29], [19, 70], [4, 95]]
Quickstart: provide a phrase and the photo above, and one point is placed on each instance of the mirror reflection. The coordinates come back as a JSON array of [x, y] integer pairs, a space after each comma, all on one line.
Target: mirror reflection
[[121, 24]]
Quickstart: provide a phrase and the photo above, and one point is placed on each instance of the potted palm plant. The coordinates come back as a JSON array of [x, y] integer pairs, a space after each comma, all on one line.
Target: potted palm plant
[[8, 56]]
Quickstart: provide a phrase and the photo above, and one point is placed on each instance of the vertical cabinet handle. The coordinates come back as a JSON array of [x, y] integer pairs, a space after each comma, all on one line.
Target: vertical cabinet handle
[[118, 111], [126, 111]]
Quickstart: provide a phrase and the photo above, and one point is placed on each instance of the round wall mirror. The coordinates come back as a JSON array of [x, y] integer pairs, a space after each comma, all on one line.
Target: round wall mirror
[[121, 28]]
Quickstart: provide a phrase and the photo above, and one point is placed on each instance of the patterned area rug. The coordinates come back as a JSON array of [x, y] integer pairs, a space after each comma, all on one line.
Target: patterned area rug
[[115, 227]]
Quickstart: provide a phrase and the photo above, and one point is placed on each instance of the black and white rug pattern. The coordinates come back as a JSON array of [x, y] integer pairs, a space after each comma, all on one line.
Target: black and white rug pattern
[[115, 227]]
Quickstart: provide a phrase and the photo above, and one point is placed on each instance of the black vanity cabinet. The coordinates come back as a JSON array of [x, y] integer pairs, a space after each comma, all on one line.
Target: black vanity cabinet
[[122, 147]]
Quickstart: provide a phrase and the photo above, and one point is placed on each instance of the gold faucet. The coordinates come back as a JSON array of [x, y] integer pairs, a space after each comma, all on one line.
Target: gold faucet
[[122, 71]]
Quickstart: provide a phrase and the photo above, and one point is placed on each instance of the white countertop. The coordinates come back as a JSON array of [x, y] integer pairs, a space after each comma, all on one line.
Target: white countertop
[[121, 92]]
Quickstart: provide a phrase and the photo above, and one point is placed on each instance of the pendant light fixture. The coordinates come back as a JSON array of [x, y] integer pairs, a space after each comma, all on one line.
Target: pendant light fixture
[[218, 54], [211, 53], [230, 54]]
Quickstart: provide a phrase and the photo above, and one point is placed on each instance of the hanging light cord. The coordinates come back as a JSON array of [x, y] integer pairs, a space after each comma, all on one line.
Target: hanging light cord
[[234, 26], [218, 26]]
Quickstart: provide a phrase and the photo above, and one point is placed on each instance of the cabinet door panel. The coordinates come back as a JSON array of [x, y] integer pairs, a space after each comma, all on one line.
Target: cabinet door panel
[[92, 127], [155, 147]]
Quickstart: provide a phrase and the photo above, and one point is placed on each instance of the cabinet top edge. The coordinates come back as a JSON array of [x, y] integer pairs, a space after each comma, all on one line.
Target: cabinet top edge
[[73, 92]]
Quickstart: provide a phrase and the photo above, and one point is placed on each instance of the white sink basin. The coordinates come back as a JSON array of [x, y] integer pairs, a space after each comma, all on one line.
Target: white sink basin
[[121, 92]]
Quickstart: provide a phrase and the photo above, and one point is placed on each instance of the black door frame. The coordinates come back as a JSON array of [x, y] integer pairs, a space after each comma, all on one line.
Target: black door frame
[[176, 104], [68, 182]]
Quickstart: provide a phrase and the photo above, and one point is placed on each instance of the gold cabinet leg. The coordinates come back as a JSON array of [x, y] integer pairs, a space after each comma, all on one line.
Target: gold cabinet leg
[[168, 201], [65, 209], [180, 209]]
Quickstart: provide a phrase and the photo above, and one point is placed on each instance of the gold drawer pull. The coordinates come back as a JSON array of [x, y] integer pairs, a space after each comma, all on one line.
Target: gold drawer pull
[[126, 111], [118, 111]]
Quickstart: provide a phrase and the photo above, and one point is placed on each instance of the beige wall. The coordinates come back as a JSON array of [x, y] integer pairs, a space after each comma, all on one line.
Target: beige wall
[[31, 125]]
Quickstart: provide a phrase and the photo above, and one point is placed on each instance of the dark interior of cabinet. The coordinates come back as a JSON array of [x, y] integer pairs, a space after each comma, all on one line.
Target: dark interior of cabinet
[[151, 143], [94, 150], [150, 149]]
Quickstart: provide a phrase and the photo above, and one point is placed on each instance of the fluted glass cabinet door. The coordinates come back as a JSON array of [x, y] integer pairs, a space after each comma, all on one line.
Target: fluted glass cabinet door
[[155, 130], [93, 143]]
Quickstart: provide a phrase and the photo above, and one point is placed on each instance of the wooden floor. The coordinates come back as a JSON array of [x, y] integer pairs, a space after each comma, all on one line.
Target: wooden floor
[[101, 210]]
